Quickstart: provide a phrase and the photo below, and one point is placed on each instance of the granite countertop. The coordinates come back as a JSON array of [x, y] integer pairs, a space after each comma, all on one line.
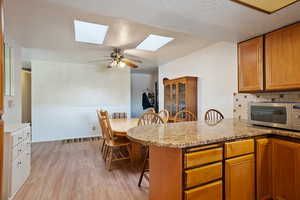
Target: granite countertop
[[9, 128], [187, 134]]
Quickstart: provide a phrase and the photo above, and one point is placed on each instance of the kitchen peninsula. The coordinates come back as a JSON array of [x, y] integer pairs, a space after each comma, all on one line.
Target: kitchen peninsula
[[227, 160]]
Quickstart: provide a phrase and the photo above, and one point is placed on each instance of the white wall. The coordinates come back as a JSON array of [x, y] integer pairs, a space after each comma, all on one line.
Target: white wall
[[216, 69], [139, 83], [13, 104], [65, 97]]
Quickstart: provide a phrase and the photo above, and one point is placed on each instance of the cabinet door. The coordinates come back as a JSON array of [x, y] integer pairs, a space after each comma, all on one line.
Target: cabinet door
[[264, 169], [285, 170], [239, 178], [251, 65], [174, 100], [167, 97], [181, 96], [282, 49]]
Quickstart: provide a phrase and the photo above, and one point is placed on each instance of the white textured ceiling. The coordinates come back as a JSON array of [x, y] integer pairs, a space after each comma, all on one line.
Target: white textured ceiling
[[48, 25], [211, 19]]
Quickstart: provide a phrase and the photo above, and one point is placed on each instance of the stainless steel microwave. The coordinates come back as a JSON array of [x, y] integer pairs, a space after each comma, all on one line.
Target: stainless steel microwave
[[284, 115]]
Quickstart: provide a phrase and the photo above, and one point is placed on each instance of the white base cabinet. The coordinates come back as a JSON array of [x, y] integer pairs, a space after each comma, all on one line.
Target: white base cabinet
[[17, 158]]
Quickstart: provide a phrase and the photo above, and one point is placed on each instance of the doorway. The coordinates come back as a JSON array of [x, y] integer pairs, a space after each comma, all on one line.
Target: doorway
[[26, 95]]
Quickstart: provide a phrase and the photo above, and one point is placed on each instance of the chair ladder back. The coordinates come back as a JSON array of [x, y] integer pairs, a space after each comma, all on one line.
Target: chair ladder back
[[106, 125], [164, 114], [149, 118], [213, 115], [185, 115]]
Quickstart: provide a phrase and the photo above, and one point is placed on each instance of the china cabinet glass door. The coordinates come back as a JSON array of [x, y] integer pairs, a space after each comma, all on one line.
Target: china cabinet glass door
[[181, 96], [168, 98], [174, 103]]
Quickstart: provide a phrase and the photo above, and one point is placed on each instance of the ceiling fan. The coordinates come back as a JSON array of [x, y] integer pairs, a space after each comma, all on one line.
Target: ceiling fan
[[118, 59]]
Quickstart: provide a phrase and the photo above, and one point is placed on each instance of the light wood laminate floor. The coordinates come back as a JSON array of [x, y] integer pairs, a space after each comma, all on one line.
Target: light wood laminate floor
[[76, 171]]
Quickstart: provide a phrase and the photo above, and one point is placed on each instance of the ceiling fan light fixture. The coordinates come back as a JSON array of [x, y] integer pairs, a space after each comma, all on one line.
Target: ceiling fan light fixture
[[113, 64], [154, 42], [122, 64]]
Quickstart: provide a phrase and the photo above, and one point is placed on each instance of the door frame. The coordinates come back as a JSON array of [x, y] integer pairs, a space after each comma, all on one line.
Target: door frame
[[1, 93]]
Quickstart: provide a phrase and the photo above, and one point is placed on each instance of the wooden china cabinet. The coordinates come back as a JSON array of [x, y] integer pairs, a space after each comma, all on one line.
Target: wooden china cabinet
[[180, 94]]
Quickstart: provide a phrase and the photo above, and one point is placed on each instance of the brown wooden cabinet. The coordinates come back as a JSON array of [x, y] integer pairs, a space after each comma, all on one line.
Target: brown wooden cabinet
[[250, 65], [239, 178], [212, 191], [264, 169], [270, 62], [282, 49], [285, 170], [180, 94]]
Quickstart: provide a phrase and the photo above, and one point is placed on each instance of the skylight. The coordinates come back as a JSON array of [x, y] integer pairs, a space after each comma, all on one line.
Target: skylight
[[89, 32], [154, 42]]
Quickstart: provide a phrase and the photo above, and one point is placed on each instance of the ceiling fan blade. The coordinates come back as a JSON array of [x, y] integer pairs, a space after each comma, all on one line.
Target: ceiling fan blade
[[103, 60], [133, 60], [130, 64]]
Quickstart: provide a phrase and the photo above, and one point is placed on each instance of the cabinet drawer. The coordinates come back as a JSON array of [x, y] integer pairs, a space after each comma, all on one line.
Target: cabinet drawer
[[202, 175], [203, 157], [238, 148], [211, 191]]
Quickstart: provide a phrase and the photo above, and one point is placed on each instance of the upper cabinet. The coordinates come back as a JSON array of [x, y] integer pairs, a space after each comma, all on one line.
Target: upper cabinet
[[250, 65], [282, 49], [270, 62]]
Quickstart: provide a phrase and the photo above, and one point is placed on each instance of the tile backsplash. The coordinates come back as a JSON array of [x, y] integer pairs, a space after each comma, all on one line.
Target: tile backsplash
[[241, 101]]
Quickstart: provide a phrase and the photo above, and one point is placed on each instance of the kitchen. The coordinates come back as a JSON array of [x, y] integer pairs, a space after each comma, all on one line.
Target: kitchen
[[232, 159]]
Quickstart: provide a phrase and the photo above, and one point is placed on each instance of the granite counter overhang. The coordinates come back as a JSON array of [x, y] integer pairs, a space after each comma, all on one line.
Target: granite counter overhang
[[189, 134]]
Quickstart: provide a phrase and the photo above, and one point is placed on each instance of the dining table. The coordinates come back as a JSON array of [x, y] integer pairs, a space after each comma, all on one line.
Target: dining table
[[120, 127]]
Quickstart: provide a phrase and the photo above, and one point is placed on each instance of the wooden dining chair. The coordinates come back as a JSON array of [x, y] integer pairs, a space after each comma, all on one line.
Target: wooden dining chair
[[117, 148], [151, 110], [213, 115], [184, 116], [164, 114], [102, 147], [148, 118]]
